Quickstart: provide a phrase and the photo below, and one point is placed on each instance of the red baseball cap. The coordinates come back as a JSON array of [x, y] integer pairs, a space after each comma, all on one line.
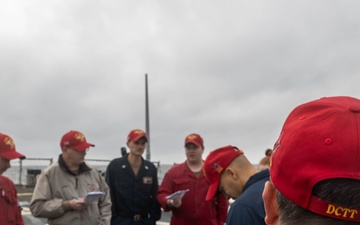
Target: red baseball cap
[[214, 165], [195, 139], [76, 140], [320, 140], [135, 135], [7, 148]]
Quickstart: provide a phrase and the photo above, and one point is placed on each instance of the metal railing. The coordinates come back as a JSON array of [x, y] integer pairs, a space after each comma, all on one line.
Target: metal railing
[[18, 172], [31, 159]]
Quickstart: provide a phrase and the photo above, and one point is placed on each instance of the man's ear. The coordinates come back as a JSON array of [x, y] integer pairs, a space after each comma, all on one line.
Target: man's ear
[[231, 172], [270, 203]]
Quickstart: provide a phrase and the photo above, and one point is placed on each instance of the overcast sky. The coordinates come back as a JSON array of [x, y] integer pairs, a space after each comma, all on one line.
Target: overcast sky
[[229, 70]]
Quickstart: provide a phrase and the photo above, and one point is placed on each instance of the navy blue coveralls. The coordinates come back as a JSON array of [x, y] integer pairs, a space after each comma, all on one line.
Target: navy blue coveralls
[[248, 207], [133, 198]]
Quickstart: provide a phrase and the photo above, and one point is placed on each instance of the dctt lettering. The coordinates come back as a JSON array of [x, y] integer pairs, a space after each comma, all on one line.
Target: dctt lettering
[[341, 211]]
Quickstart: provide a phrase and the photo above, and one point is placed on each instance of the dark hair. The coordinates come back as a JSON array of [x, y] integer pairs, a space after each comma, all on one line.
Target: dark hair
[[345, 192]]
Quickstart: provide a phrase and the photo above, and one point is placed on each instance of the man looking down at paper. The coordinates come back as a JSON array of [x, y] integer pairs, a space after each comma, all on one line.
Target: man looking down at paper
[[230, 172], [191, 208], [60, 189]]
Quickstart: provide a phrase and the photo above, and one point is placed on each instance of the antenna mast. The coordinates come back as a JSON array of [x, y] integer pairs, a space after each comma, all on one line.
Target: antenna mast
[[147, 118]]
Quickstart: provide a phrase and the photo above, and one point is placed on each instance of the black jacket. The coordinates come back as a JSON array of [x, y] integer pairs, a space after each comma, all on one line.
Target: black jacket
[[132, 195]]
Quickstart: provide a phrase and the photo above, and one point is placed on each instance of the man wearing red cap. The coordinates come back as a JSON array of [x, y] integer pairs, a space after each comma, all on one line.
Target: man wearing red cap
[[192, 208], [231, 173], [10, 212], [315, 166], [133, 185], [60, 190]]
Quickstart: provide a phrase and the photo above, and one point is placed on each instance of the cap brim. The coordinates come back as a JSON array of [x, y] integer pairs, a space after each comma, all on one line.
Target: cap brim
[[9, 155], [82, 146], [138, 137], [213, 188], [193, 142]]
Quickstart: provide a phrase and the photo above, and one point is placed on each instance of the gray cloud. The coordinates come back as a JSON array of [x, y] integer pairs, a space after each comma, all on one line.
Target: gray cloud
[[231, 71]]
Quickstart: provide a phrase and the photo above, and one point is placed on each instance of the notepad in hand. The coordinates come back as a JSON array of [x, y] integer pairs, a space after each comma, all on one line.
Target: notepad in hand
[[93, 196], [178, 194]]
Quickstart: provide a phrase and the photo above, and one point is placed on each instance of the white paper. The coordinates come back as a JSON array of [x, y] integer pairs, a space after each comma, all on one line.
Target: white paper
[[178, 194], [93, 196]]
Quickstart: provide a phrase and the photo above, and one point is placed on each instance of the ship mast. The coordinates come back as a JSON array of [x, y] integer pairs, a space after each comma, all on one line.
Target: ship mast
[[147, 118]]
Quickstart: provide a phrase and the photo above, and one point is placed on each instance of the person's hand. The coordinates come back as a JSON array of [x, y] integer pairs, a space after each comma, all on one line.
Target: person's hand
[[176, 203], [77, 204]]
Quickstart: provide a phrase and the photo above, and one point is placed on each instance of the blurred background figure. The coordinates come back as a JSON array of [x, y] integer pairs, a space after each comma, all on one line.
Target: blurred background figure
[[265, 162], [123, 151], [10, 212]]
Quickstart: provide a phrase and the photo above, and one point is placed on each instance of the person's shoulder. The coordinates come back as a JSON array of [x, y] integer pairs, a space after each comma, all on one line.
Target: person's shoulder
[[53, 167], [265, 172], [5, 179], [177, 167], [115, 165], [263, 175], [149, 164], [244, 202], [241, 212], [117, 160], [91, 167]]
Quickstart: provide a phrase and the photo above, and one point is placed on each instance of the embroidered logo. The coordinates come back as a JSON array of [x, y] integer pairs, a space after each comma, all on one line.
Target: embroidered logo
[[277, 143], [217, 167], [80, 137], [9, 141], [276, 146], [192, 137], [91, 187], [341, 211], [139, 132]]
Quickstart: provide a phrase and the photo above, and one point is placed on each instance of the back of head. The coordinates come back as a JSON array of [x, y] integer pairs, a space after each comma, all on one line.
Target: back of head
[[265, 162], [315, 165]]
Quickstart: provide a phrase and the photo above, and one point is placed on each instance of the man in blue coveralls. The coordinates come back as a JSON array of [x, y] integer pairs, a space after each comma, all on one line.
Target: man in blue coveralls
[[230, 172], [133, 185]]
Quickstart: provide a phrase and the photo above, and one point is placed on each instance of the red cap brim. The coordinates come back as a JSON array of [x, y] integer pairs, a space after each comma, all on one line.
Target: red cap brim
[[83, 146], [136, 138], [9, 155], [213, 188], [193, 142]]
